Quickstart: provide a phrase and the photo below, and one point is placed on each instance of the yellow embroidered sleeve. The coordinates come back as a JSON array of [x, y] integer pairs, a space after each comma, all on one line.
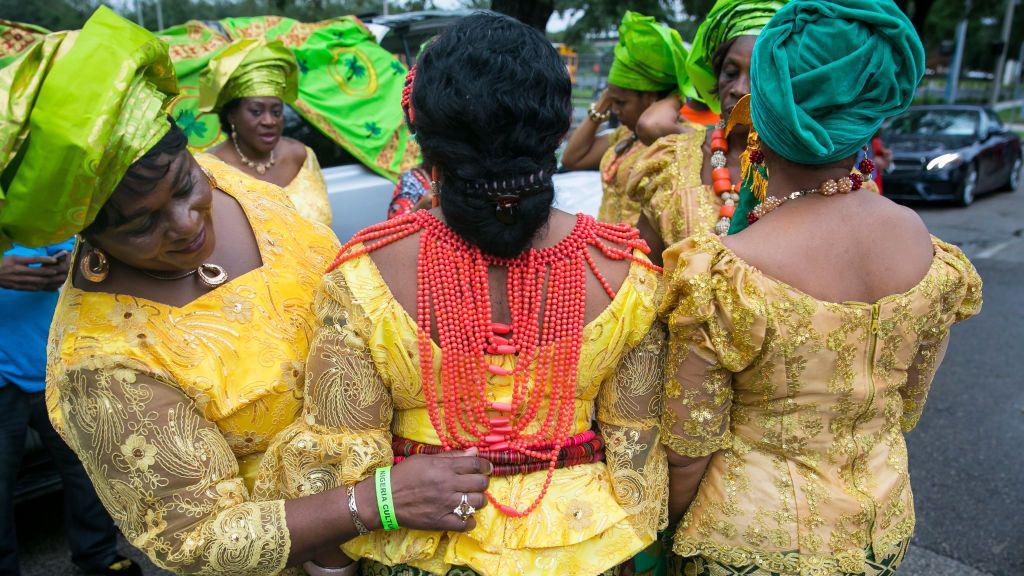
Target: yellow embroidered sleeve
[[167, 475], [716, 314], [344, 432], [628, 405], [919, 380]]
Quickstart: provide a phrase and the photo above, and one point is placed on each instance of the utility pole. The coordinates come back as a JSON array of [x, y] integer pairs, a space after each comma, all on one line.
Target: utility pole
[[958, 56], [385, 7], [138, 13], [159, 15], [1005, 40]]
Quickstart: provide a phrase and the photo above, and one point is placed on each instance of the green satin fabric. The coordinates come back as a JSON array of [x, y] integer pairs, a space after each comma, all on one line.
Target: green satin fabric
[[649, 57], [825, 75], [76, 110], [249, 67], [728, 19]]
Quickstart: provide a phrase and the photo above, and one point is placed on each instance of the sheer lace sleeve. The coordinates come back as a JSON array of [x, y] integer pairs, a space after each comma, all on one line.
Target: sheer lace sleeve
[[628, 406], [167, 475], [344, 432], [919, 380], [716, 314]]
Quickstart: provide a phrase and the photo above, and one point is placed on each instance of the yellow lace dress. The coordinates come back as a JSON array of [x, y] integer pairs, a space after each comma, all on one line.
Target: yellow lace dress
[[803, 404], [171, 408], [666, 183], [363, 386], [616, 166], [307, 191]]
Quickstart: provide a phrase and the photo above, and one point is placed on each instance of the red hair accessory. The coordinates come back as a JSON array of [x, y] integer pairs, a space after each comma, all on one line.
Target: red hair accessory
[[407, 94]]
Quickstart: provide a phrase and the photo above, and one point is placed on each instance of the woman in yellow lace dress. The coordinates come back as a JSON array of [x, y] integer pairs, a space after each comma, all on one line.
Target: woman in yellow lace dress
[[803, 348], [647, 59], [672, 180], [248, 84], [564, 498], [170, 375]]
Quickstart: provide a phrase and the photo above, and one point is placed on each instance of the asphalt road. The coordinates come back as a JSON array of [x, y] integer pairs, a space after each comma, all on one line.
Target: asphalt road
[[966, 456]]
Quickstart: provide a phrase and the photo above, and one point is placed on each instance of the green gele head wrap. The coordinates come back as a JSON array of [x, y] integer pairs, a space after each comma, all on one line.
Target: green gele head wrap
[[649, 56], [76, 110], [825, 75], [249, 67], [727, 20]]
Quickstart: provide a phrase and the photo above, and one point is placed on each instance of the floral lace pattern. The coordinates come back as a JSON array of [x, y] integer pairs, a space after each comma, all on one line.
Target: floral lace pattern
[[363, 385], [170, 408], [616, 205], [803, 404], [666, 182]]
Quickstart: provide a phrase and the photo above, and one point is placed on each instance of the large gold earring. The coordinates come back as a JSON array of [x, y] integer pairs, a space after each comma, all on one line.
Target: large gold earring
[[94, 266]]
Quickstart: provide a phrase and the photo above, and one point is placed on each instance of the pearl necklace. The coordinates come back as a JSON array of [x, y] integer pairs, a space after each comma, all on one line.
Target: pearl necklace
[[260, 167]]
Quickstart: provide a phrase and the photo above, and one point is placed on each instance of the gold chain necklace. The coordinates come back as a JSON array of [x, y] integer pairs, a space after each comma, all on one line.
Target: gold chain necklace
[[260, 167], [211, 275]]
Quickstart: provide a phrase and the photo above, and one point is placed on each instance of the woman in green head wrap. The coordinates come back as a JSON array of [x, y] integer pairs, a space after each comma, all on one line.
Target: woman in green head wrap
[[178, 345], [680, 182], [248, 85], [647, 58], [803, 347]]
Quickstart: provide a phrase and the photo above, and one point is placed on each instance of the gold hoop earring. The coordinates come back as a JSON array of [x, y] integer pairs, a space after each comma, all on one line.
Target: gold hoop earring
[[94, 266], [211, 275]]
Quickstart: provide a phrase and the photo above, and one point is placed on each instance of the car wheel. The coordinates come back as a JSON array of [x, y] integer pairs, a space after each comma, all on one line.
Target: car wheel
[[1015, 175], [968, 187]]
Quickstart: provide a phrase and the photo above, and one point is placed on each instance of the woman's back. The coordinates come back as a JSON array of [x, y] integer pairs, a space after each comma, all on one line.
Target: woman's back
[[602, 499]]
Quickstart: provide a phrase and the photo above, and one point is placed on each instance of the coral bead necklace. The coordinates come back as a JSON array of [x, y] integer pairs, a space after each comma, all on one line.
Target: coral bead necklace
[[722, 183], [547, 304]]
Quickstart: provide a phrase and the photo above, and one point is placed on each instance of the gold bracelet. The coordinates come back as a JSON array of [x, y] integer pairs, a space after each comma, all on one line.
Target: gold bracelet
[[354, 511]]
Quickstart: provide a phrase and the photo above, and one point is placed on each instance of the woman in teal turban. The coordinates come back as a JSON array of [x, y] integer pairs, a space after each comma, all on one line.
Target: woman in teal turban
[[802, 348], [648, 60], [674, 180]]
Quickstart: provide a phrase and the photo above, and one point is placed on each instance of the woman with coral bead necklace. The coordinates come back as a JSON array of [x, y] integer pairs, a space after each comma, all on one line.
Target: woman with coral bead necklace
[[494, 322]]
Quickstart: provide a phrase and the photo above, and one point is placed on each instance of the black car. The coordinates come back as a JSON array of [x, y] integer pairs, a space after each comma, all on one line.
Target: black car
[[950, 153]]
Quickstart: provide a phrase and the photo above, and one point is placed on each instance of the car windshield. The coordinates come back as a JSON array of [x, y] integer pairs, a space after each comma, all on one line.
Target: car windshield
[[936, 123]]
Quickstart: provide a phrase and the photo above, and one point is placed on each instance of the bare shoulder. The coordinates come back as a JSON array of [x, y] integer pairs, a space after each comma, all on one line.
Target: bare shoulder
[[902, 227], [220, 151], [293, 149]]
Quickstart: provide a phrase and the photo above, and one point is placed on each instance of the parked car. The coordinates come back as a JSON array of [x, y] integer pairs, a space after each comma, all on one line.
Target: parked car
[[950, 153]]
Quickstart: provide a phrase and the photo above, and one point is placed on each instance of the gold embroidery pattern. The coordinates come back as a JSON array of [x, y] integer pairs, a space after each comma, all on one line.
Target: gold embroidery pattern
[[616, 205], [171, 408], [666, 181], [803, 404]]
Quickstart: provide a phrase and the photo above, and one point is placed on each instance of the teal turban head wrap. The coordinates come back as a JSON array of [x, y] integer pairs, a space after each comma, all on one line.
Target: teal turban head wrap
[[824, 76]]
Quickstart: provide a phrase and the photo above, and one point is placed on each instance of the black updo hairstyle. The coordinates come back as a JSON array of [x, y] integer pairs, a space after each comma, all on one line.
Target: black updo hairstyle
[[491, 102], [142, 175], [222, 115]]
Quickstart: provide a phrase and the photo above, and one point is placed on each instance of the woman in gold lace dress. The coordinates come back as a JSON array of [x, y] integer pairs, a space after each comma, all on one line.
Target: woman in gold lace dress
[[434, 334], [169, 375], [248, 84], [647, 60], [803, 348], [674, 179]]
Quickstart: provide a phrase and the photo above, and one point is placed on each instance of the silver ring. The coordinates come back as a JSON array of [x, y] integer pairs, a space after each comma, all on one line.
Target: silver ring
[[464, 510]]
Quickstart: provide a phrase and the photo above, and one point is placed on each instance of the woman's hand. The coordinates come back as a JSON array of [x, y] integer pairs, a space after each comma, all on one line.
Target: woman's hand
[[427, 490], [604, 103]]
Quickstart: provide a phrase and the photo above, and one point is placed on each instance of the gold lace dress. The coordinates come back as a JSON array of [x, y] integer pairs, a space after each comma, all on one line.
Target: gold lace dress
[[803, 404], [364, 385], [616, 166], [170, 408], [307, 191], [666, 183]]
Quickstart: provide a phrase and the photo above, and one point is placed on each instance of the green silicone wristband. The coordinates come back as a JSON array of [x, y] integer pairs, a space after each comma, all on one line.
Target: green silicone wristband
[[385, 503]]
